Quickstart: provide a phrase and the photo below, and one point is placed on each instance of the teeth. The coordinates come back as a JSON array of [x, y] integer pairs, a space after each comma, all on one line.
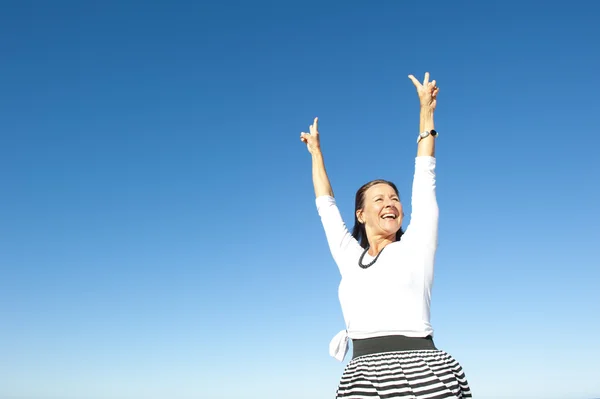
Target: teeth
[[389, 215]]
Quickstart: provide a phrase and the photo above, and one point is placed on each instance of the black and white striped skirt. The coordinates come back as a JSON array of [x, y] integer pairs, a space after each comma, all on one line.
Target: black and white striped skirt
[[414, 374]]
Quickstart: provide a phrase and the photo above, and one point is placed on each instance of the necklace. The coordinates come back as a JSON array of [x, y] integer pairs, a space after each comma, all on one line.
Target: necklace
[[370, 263]]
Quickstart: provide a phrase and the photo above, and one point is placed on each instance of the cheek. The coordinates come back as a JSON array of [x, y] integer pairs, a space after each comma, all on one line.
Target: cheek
[[372, 213]]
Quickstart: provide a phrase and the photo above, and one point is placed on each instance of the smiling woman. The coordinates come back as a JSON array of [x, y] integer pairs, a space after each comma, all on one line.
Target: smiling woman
[[377, 200], [386, 296]]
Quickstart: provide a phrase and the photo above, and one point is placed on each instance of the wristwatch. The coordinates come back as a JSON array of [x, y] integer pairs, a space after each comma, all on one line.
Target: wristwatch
[[426, 133]]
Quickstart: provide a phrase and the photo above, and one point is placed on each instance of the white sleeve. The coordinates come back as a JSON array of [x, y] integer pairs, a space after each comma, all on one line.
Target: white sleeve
[[341, 242], [423, 228]]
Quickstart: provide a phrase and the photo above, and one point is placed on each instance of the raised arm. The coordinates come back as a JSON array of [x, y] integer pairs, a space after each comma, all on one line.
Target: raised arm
[[341, 242], [427, 92], [319, 174], [425, 212]]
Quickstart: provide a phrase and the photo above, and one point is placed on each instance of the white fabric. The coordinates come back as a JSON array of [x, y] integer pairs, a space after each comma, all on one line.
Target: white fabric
[[338, 347], [392, 297]]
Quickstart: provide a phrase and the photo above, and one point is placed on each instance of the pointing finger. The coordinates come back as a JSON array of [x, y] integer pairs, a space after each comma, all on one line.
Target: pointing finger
[[316, 124], [414, 80]]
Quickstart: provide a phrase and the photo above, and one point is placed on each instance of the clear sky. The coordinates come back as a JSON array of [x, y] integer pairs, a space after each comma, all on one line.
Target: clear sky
[[158, 232]]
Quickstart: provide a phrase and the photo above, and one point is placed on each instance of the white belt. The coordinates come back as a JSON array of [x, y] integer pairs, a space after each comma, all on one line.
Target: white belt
[[338, 347]]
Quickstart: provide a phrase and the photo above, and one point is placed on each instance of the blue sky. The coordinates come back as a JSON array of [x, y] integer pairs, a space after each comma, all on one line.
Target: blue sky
[[158, 233]]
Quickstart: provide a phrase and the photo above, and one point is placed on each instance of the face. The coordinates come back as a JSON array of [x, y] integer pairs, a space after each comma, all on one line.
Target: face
[[382, 211]]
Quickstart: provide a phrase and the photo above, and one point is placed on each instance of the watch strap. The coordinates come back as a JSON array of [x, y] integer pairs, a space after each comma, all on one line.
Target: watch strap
[[426, 133]]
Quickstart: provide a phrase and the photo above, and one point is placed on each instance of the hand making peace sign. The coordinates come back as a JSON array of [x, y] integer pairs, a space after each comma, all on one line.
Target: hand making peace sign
[[312, 139], [427, 91]]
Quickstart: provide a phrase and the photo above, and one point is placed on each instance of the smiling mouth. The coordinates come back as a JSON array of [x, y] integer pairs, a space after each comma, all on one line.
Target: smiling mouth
[[389, 216]]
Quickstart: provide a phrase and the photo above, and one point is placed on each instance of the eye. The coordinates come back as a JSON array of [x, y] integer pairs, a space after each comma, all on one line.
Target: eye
[[396, 199], [378, 199]]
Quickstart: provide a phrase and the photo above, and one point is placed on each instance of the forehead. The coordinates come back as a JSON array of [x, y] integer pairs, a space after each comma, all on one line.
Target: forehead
[[380, 189]]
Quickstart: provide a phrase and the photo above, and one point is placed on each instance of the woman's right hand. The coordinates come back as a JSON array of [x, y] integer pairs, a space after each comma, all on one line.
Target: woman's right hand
[[312, 139], [319, 175]]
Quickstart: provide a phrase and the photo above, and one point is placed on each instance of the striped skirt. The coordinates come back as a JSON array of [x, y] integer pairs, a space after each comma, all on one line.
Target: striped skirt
[[414, 374]]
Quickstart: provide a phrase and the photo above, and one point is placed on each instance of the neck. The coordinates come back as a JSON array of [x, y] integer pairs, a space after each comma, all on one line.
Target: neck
[[378, 243]]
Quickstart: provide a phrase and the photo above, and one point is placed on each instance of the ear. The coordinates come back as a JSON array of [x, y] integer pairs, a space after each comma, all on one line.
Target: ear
[[359, 216]]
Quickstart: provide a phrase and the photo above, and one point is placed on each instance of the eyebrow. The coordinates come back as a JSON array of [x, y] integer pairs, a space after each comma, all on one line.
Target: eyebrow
[[383, 195]]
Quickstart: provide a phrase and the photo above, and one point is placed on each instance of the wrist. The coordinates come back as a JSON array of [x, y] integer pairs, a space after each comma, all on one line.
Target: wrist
[[426, 120], [427, 111]]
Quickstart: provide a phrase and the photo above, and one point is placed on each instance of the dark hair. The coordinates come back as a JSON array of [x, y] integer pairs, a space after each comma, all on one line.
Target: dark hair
[[359, 231]]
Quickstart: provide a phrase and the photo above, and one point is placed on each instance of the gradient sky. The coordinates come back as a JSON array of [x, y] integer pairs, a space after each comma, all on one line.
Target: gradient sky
[[158, 232]]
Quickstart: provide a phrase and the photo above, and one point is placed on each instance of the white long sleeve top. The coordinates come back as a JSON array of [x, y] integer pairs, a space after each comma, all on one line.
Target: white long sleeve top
[[393, 296]]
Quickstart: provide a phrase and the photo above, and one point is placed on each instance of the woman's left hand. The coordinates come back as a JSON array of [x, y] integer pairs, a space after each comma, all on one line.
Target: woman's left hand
[[427, 91]]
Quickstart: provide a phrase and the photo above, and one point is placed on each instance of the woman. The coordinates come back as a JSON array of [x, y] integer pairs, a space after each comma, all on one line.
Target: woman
[[387, 276]]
